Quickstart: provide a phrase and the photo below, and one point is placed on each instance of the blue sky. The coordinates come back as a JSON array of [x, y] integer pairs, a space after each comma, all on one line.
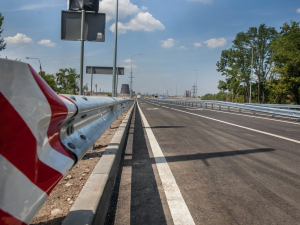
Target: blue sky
[[175, 37]]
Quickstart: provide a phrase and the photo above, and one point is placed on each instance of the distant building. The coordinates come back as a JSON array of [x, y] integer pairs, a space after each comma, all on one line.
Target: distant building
[[125, 89], [187, 94]]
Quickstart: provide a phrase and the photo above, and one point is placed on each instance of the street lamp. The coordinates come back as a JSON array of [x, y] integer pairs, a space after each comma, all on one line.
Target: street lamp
[[176, 86], [196, 88], [39, 61], [251, 73], [131, 76], [251, 76]]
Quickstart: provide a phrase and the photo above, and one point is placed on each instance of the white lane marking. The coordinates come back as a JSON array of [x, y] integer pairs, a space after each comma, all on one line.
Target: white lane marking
[[235, 125], [239, 114], [179, 210]]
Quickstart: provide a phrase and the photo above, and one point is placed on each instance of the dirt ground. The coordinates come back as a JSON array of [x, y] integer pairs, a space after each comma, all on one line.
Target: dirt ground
[[65, 193]]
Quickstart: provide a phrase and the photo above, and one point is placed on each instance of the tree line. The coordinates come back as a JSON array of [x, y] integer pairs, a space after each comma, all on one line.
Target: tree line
[[65, 81], [265, 58]]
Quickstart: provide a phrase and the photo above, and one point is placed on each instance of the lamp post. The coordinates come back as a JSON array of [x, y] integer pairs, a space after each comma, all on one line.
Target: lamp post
[[196, 88], [251, 76], [131, 76], [176, 86], [40, 64]]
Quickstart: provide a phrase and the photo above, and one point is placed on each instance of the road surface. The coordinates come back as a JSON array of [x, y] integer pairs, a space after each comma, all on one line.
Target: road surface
[[188, 165]]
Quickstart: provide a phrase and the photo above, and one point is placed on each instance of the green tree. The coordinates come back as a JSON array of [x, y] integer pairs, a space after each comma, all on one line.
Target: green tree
[[2, 44], [235, 63], [286, 57], [50, 80], [67, 80]]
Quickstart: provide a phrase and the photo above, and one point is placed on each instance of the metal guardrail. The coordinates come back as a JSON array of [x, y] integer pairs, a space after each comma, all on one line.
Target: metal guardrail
[[274, 110], [94, 115], [42, 136]]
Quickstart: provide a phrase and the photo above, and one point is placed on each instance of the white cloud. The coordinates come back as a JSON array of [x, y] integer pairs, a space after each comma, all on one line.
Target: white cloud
[[197, 45], [18, 39], [129, 66], [202, 1], [127, 61], [169, 43], [126, 8], [47, 43], [142, 21], [144, 8], [183, 48], [298, 10], [36, 6], [215, 42]]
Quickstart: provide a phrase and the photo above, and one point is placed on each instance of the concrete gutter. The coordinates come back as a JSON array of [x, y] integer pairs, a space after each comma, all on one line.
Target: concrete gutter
[[92, 203]]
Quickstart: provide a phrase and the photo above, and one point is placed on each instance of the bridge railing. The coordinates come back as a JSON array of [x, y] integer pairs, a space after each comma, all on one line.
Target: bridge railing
[[42, 136], [274, 109]]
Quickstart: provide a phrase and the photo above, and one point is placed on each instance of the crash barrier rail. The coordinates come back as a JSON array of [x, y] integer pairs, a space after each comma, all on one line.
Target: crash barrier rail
[[288, 106], [255, 108], [42, 136]]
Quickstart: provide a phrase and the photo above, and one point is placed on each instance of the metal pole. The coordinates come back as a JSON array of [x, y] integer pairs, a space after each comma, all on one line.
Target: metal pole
[[40, 67], [131, 76], [196, 82], [176, 87], [114, 93], [82, 51], [131, 79], [117, 82], [251, 76], [92, 82]]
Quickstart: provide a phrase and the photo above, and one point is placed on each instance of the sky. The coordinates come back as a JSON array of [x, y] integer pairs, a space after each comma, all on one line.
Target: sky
[[180, 41]]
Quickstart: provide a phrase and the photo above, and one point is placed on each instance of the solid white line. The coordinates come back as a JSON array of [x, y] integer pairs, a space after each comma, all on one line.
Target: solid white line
[[240, 114], [247, 128], [179, 210]]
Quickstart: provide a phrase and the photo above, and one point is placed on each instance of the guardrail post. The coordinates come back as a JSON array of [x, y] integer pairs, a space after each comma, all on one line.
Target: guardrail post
[[196, 104], [254, 112], [192, 104], [228, 108], [273, 116], [206, 105], [212, 105], [200, 104], [220, 107], [240, 110]]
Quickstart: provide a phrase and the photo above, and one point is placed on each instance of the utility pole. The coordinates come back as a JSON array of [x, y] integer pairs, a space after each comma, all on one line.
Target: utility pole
[[131, 76], [194, 90]]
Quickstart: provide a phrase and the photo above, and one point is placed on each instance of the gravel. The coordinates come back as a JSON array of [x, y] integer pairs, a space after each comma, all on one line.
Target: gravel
[[65, 193]]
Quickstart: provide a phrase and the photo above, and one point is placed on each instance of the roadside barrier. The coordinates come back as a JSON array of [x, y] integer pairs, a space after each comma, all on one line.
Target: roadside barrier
[[274, 109], [42, 136]]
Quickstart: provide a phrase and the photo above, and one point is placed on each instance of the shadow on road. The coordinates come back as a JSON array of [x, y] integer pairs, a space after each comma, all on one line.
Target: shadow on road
[[145, 202]]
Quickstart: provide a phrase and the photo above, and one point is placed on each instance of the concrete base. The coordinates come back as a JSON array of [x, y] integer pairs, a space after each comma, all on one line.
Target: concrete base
[[91, 205]]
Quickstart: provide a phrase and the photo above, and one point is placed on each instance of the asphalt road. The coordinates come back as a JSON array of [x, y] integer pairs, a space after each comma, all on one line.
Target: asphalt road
[[230, 168]]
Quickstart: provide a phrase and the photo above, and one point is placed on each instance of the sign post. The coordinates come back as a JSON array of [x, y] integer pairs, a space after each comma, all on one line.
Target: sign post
[[82, 26], [105, 70]]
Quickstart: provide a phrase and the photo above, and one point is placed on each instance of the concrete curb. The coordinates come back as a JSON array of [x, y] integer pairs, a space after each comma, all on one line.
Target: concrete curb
[[92, 203]]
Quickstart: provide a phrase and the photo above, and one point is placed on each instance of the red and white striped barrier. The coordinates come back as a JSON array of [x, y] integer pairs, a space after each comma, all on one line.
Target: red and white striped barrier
[[32, 157]]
